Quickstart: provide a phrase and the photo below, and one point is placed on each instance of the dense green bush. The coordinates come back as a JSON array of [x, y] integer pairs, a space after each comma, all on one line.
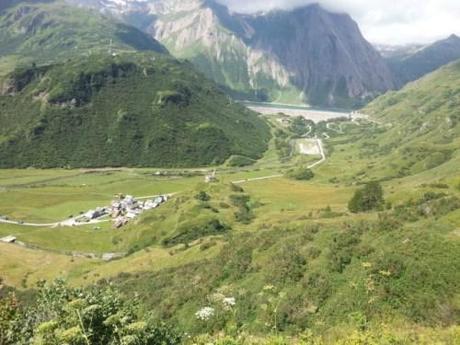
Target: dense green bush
[[368, 198], [244, 214], [202, 196], [300, 173], [300, 126], [283, 145]]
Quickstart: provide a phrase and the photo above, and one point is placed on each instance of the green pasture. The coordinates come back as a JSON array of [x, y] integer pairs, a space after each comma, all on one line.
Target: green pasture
[[54, 195], [48, 196]]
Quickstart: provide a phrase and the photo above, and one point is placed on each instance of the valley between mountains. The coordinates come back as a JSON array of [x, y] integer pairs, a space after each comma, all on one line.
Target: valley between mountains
[[173, 173]]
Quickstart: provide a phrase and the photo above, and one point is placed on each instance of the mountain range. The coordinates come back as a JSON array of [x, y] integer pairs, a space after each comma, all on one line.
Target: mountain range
[[305, 55]]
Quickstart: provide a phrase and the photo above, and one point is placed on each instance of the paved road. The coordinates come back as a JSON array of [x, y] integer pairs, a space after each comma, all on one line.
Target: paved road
[[67, 222], [4, 221]]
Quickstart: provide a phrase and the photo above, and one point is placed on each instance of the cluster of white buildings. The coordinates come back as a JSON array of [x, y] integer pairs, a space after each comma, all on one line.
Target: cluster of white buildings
[[127, 208], [122, 210], [92, 215]]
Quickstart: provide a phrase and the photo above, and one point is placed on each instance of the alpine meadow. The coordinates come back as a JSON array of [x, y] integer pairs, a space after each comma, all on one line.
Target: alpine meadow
[[217, 172]]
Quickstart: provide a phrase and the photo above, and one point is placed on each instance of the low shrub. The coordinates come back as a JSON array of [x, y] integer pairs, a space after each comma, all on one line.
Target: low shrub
[[202, 196], [301, 174], [368, 198]]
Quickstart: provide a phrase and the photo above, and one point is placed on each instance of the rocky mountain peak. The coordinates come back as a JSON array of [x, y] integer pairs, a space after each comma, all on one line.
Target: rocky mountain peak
[[308, 54]]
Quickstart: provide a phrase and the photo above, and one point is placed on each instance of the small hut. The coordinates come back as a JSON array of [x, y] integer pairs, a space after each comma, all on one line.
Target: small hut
[[210, 178]]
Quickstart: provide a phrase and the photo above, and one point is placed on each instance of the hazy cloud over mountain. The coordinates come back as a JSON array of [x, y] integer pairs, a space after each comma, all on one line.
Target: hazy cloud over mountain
[[382, 21]]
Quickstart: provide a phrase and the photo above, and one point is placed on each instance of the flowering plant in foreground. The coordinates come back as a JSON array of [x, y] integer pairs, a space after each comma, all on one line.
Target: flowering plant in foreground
[[229, 302], [205, 313], [218, 313]]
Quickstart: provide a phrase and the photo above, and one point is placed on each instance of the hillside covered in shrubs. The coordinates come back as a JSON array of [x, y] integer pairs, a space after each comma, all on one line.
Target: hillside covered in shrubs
[[127, 110]]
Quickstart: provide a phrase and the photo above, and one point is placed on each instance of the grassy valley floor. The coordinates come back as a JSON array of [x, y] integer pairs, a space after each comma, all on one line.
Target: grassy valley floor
[[275, 241]]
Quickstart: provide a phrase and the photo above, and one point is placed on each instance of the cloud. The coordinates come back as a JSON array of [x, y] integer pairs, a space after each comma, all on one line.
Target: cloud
[[382, 21]]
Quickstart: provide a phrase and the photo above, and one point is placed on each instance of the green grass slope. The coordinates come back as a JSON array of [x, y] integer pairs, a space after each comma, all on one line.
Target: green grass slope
[[298, 273], [128, 110], [43, 31], [293, 273], [422, 125]]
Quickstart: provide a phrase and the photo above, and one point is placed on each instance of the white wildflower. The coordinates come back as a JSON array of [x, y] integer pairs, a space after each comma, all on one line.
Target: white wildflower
[[205, 313], [216, 298], [229, 302]]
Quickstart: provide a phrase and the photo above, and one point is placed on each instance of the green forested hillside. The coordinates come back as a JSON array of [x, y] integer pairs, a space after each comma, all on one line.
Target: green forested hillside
[[127, 110], [43, 31]]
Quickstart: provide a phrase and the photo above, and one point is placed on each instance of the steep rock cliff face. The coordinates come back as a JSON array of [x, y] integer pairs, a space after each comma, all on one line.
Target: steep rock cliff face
[[212, 39], [305, 55], [325, 52]]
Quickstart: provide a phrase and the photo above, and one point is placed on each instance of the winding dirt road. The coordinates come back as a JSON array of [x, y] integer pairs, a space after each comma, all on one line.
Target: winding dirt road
[[319, 142]]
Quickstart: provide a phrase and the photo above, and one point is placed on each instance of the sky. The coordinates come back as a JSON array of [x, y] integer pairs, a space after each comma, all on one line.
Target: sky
[[392, 22]]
